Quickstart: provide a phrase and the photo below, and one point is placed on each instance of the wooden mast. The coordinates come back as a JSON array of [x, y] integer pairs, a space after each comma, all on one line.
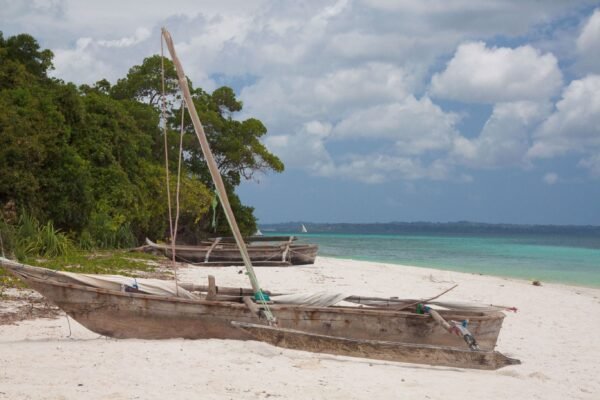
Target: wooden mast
[[215, 174]]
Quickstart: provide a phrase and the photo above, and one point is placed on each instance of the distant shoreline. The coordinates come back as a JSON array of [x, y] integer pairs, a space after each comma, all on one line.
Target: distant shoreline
[[461, 227]]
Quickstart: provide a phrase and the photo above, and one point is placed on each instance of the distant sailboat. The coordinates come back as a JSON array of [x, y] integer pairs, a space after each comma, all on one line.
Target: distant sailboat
[[258, 232], [303, 229]]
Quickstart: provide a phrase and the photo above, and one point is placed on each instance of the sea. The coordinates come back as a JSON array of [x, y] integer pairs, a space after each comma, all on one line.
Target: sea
[[559, 258]]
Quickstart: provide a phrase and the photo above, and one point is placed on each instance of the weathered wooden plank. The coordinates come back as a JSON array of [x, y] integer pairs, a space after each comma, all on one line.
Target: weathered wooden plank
[[254, 309], [378, 350], [252, 239], [211, 293]]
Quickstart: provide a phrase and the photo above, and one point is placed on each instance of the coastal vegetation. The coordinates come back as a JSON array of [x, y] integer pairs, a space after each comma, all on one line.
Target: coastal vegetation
[[82, 167]]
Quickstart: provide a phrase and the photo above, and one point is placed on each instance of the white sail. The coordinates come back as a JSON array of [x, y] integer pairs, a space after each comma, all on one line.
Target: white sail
[[303, 229], [258, 232]]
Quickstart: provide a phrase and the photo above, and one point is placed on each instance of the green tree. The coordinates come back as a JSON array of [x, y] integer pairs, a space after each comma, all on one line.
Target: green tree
[[90, 160], [25, 50], [144, 82], [235, 144], [39, 171]]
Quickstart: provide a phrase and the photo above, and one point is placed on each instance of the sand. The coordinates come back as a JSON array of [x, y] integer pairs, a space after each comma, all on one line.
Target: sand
[[554, 333]]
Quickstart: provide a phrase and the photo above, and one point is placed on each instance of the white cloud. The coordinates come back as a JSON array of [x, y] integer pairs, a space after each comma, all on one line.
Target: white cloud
[[368, 83], [505, 137], [80, 63], [140, 35], [292, 100], [317, 128], [575, 125], [478, 74], [378, 168], [339, 84], [588, 44], [415, 126], [550, 178], [302, 149]]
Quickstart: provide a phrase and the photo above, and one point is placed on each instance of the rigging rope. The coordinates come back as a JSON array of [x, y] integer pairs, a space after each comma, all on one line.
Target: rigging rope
[[163, 117], [174, 238], [172, 229]]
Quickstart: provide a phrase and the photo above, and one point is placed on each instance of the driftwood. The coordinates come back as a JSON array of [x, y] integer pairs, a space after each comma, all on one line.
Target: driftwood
[[377, 349]]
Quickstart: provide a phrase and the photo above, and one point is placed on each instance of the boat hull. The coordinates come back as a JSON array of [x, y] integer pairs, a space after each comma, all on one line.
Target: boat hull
[[291, 253], [298, 255], [133, 315]]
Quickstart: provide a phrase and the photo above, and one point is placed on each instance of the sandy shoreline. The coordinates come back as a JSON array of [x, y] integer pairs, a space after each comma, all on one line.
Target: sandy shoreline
[[554, 334]]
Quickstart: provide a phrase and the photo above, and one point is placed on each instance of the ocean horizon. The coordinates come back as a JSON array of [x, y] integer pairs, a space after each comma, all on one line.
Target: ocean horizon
[[548, 257]]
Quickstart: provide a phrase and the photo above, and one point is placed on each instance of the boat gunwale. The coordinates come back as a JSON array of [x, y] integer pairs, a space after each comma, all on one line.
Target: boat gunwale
[[231, 246], [337, 309]]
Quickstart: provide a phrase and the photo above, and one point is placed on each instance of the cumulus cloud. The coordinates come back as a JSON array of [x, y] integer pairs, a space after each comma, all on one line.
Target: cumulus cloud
[[478, 74], [505, 137], [575, 124], [341, 85], [415, 126], [303, 149], [293, 100], [588, 44], [80, 63], [378, 168], [407, 130]]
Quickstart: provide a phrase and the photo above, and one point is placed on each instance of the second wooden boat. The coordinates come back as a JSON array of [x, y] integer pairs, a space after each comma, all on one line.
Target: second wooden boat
[[263, 252]]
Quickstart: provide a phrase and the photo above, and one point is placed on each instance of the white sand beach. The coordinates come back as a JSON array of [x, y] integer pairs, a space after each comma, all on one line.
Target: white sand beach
[[554, 334]]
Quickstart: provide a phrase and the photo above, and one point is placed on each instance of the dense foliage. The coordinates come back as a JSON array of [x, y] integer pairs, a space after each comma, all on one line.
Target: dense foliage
[[89, 161]]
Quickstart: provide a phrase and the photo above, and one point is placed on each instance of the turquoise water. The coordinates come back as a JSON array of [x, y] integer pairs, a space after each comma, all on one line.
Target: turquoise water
[[573, 259]]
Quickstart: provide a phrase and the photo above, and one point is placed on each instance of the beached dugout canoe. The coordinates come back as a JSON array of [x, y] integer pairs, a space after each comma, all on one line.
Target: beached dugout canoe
[[124, 314], [221, 251]]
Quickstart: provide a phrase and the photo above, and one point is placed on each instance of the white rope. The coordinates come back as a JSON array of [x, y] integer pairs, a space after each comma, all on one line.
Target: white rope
[[181, 132], [163, 117], [164, 126], [174, 236]]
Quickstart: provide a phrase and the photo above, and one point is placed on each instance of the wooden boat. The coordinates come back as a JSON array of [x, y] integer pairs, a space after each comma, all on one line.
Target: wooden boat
[[130, 314], [263, 251], [362, 331]]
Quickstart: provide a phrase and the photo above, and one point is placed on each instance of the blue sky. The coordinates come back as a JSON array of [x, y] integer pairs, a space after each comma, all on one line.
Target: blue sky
[[382, 110]]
